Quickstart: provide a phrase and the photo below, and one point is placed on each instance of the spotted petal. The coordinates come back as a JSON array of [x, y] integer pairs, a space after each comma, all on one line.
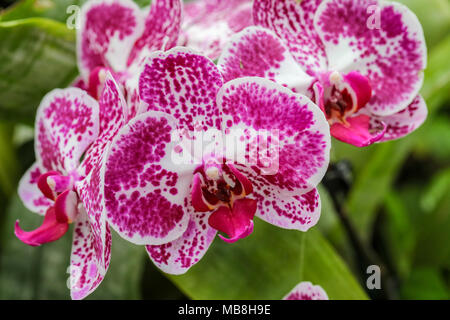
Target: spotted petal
[[259, 52], [109, 28], [113, 114], [91, 194], [306, 291], [184, 84], [208, 24], [162, 27], [66, 124], [297, 212], [296, 125], [89, 259], [293, 22], [178, 256], [404, 122], [29, 192], [383, 41], [146, 192]]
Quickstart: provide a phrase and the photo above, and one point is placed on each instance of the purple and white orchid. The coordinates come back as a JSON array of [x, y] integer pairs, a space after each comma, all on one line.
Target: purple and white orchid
[[115, 35], [365, 77], [176, 209], [209, 24], [71, 125], [306, 291]]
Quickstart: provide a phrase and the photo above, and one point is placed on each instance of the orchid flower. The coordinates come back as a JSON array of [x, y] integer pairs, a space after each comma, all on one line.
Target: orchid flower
[[306, 291], [115, 35], [209, 24], [70, 125], [176, 208], [361, 61]]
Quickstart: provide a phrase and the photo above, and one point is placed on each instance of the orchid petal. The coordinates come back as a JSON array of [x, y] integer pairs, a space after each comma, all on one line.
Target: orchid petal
[[184, 84], [92, 228], [306, 291], [50, 230], [299, 212], [358, 131], [258, 52], [162, 27], [108, 31], [29, 192], [209, 24], [178, 256], [87, 269], [146, 192], [404, 122], [66, 124], [293, 22], [301, 158], [113, 114], [392, 55]]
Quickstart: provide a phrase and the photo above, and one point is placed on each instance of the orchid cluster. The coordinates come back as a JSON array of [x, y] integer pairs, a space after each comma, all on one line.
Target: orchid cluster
[[149, 91]]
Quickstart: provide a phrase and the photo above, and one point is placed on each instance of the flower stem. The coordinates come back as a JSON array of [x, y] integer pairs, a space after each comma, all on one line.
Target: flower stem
[[336, 185]]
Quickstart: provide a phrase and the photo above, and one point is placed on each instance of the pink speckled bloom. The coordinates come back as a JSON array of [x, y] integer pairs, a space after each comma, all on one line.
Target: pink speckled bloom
[[209, 24], [306, 291], [361, 61], [116, 35], [176, 209], [71, 124]]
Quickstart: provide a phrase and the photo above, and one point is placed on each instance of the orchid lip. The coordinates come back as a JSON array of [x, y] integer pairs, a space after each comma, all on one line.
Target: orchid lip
[[50, 230], [220, 188], [64, 211]]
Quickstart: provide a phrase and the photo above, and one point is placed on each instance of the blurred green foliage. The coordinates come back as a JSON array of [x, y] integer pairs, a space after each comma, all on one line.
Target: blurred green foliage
[[398, 200]]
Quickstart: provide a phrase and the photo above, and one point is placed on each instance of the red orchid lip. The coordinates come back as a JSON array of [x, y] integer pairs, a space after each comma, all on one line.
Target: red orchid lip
[[343, 98], [57, 218], [50, 230], [222, 189], [236, 222]]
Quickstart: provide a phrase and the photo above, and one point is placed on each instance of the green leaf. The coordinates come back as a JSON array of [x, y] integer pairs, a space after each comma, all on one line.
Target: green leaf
[[37, 55], [431, 144], [437, 191], [8, 162], [425, 284], [432, 245], [436, 88], [52, 9], [399, 233], [267, 265]]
